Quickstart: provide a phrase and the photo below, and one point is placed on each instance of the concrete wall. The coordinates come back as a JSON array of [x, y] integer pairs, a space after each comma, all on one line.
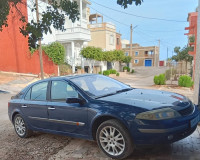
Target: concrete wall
[[14, 51]]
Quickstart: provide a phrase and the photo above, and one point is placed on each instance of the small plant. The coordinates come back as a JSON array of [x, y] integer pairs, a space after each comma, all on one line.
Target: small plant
[[185, 81], [128, 69], [117, 74], [125, 68], [113, 71], [160, 80], [132, 71], [192, 39], [106, 73], [100, 72]]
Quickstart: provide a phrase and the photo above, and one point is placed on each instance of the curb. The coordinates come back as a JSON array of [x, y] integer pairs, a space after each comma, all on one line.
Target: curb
[[20, 74]]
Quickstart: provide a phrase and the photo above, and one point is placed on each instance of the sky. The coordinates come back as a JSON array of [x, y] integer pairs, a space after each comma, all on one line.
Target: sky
[[149, 31]]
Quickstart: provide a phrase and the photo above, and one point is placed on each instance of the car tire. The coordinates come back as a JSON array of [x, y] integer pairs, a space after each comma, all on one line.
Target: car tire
[[114, 139], [21, 127]]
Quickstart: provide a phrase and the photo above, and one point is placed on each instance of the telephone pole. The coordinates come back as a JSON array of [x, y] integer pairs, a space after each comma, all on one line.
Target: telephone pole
[[197, 66], [39, 42], [131, 44]]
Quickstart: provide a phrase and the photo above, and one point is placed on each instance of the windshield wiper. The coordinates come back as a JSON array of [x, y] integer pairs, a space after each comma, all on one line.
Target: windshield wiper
[[124, 90], [110, 94]]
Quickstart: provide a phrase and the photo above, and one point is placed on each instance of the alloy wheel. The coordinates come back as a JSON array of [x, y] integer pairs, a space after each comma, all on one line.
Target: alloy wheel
[[20, 126], [112, 141]]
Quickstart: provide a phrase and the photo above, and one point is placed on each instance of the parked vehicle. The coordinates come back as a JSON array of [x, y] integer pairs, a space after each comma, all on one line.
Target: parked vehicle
[[96, 107]]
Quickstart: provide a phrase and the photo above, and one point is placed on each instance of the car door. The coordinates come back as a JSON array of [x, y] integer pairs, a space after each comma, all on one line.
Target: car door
[[34, 105], [65, 117]]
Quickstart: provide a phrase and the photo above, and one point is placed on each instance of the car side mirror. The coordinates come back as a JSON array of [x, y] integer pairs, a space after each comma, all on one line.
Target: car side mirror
[[75, 100]]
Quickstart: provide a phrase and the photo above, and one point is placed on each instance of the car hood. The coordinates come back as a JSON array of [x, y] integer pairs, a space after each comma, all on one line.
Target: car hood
[[149, 99]]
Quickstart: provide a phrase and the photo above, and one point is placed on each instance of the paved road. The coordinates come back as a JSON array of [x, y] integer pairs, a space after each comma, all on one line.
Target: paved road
[[143, 76], [46, 146]]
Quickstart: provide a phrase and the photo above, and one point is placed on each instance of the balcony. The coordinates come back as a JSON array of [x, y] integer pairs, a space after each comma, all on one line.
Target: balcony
[[75, 33]]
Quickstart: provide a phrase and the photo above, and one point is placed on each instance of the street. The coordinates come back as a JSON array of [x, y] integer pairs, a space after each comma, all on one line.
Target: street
[[47, 146]]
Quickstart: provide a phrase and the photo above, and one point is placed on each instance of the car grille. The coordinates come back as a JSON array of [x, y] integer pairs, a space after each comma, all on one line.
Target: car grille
[[187, 111]]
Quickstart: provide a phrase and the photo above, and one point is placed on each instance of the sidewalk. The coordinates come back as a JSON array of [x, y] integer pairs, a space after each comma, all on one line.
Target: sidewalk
[[14, 83]]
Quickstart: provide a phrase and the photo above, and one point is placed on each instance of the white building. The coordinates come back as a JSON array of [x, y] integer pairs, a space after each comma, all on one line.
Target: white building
[[74, 38]]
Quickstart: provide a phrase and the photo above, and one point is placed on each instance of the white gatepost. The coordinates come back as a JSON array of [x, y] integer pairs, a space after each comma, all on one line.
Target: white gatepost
[[73, 57]]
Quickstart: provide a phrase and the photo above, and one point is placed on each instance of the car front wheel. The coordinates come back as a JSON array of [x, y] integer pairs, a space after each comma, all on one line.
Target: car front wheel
[[21, 127], [114, 139]]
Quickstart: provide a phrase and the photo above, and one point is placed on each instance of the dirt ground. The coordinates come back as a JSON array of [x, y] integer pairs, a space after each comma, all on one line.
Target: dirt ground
[[43, 146]]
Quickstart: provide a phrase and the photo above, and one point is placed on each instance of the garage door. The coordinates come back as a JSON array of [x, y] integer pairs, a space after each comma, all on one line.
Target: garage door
[[148, 63]]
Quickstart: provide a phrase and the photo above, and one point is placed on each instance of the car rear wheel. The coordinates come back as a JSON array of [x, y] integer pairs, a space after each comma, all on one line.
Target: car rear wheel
[[21, 127], [114, 139]]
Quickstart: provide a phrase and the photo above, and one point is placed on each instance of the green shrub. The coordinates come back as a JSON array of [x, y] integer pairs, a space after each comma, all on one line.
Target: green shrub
[[113, 71], [100, 72], [128, 69], [185, 81], [117, 74], [106, 73], [160, 80], [125, 68], [133, 71]]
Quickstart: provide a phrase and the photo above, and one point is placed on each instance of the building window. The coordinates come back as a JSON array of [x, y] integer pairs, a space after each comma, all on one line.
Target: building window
[[117, 41], [136, 53], [136, 61], [150, 52], [111, 40], [146, 52], [126, 54]]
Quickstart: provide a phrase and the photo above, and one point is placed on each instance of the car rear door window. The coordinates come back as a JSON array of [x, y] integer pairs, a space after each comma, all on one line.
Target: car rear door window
[[39, 92], [28, 95], [61, 90]]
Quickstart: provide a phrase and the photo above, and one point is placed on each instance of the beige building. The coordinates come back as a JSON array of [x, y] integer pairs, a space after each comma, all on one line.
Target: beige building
[[143, 56], [103, 34]]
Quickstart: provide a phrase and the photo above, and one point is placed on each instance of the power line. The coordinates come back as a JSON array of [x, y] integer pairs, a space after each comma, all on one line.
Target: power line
[[110, 17], [153, 18]]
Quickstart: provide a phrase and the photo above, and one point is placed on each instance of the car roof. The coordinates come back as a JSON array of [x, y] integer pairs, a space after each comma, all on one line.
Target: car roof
[[68, 77]]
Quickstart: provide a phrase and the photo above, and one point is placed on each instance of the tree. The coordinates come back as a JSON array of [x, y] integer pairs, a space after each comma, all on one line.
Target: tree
[[127, 59], [125, 3], [182, 55], [35, 30], [56, 52], [92, 54], [114, 56]]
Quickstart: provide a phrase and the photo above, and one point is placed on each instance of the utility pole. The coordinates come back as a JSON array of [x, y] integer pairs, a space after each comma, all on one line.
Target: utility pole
[[156, 57], [39, 42], [131, 44], [197, 66]]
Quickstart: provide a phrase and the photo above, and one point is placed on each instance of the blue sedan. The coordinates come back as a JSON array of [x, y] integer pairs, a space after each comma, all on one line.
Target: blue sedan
[[96, 107]]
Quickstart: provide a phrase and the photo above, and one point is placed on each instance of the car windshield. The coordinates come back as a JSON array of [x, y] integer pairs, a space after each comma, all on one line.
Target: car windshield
[[100, 86]]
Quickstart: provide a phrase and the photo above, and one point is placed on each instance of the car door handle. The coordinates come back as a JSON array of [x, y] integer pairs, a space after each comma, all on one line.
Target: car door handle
[[24, 106], [51, 108]]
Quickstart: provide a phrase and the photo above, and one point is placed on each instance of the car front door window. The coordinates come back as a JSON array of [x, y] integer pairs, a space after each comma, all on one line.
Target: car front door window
[[61, 90]]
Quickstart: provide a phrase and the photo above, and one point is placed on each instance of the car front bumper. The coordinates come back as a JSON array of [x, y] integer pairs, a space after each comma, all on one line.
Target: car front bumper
[[166, 131]]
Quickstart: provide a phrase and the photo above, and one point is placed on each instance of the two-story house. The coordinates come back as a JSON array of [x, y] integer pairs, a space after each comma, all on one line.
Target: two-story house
[[143, 56]]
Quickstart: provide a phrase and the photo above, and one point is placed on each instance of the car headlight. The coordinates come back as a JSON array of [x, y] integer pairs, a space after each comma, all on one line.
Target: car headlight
[[159, 114]]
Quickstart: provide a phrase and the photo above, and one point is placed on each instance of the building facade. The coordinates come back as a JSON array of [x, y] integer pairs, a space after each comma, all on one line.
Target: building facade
[[192, 35], [74, 38], [143, 56], [104, 36]]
